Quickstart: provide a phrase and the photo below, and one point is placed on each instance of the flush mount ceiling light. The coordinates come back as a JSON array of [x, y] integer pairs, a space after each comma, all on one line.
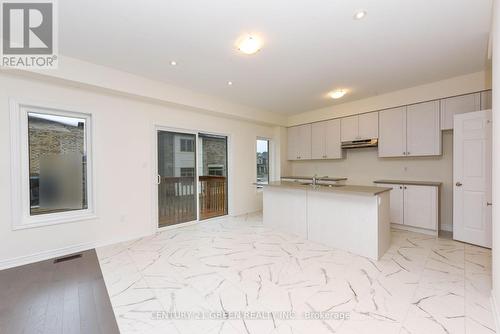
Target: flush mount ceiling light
[[229, 83], [249, 44], [359, 14], [173, 63], [337, 94]]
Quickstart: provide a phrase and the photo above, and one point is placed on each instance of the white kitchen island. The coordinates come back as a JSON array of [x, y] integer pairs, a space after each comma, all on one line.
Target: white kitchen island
[[351, 218]]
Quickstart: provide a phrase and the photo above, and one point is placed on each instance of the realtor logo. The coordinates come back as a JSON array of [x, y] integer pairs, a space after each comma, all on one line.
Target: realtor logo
[[29, 34]]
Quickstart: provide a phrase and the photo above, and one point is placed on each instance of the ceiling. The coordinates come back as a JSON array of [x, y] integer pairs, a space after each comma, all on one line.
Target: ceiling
[[310, 47]]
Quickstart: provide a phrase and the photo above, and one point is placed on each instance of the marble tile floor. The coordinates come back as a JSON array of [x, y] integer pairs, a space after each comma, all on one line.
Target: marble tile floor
[[245, 278]]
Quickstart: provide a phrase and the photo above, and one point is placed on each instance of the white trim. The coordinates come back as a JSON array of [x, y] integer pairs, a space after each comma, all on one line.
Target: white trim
[[21, 218], [45, 255], [414, 229], [63, 251], [495, 310]]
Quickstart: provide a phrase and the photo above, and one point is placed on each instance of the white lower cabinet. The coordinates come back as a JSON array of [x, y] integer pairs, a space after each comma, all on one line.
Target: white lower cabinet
[[414, 206], [397, 201]]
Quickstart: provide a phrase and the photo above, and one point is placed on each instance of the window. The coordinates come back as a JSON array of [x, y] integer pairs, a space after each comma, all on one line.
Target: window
[[187, 145], [187, 171], [51, 171], [215, 170], [262, 162]]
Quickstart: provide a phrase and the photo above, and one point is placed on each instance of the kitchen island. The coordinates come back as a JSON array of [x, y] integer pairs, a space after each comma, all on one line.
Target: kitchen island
[[347, 217]]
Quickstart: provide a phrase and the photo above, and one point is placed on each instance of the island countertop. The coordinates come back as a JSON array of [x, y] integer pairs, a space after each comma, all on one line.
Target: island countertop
[[348, 189], [309, 178]]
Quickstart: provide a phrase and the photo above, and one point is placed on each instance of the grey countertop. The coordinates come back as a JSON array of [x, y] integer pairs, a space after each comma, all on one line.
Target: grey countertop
[[410, 182], [326, 178], [348, 189]]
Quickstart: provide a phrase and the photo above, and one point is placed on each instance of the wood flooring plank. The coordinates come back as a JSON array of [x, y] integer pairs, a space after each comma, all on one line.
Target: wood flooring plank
[[68, 297]]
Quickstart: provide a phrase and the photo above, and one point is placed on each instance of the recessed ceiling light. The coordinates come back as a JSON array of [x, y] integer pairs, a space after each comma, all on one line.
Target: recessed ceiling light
[[359, 15], [249, 44], [229, 83], [173, 63], [337, 94]]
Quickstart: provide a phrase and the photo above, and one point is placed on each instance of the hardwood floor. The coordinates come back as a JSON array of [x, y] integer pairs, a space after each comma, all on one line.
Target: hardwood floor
[[65, 297]]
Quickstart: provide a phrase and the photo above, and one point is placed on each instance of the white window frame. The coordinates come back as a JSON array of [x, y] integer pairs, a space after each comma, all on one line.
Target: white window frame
[[20, 185]]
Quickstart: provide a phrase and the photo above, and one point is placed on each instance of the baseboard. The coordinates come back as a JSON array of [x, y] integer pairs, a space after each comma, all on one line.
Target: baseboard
[[495, 310], [447, 227], [414, 229], [45, 255]]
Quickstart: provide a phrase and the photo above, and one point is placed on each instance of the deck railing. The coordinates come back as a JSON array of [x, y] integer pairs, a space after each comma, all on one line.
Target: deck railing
[[176, 202], [213, 196]]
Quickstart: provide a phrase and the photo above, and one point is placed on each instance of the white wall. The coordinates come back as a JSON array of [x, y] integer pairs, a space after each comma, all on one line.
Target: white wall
[[496, 161], [363, 166], [84, 74], [124, 141]]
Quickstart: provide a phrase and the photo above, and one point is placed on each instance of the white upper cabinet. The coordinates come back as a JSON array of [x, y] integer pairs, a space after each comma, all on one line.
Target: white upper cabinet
[[304, 143], [325, 143], [486, 100], [392, 136], [423, 133], [333, 149], [458, 105], [318, 142], [349, 128], [410, 131], [292, 134], [364, 126], [299, 142], [368, 125]]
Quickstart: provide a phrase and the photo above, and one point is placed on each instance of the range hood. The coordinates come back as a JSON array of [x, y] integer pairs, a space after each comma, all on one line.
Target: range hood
[[360, 143]]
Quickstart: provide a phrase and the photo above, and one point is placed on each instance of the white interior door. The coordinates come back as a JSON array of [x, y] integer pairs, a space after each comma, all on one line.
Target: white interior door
[[472, 178]]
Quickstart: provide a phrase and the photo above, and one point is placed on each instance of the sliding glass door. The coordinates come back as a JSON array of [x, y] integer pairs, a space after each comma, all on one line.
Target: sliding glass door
[[212, 171], [192, 177], [177, 185]]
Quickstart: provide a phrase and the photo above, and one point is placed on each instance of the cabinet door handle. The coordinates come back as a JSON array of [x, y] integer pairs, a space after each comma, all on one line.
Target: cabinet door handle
[[158, 179], [407, 153], [458, 184], [404, 153], [400, 187], [406, 188], [489, 204]]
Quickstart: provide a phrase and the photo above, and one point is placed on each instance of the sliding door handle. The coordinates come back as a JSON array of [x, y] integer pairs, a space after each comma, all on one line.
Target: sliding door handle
[[158, 180]]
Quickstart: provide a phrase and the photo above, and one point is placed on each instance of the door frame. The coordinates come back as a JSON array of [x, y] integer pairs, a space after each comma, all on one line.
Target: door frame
[[154, 173]]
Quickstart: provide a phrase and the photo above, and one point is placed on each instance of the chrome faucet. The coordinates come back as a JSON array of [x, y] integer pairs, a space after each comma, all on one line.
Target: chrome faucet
[[315, 179]]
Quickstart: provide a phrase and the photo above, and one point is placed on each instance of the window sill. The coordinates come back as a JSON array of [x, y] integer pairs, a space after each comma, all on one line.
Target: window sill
[[48, 221]]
